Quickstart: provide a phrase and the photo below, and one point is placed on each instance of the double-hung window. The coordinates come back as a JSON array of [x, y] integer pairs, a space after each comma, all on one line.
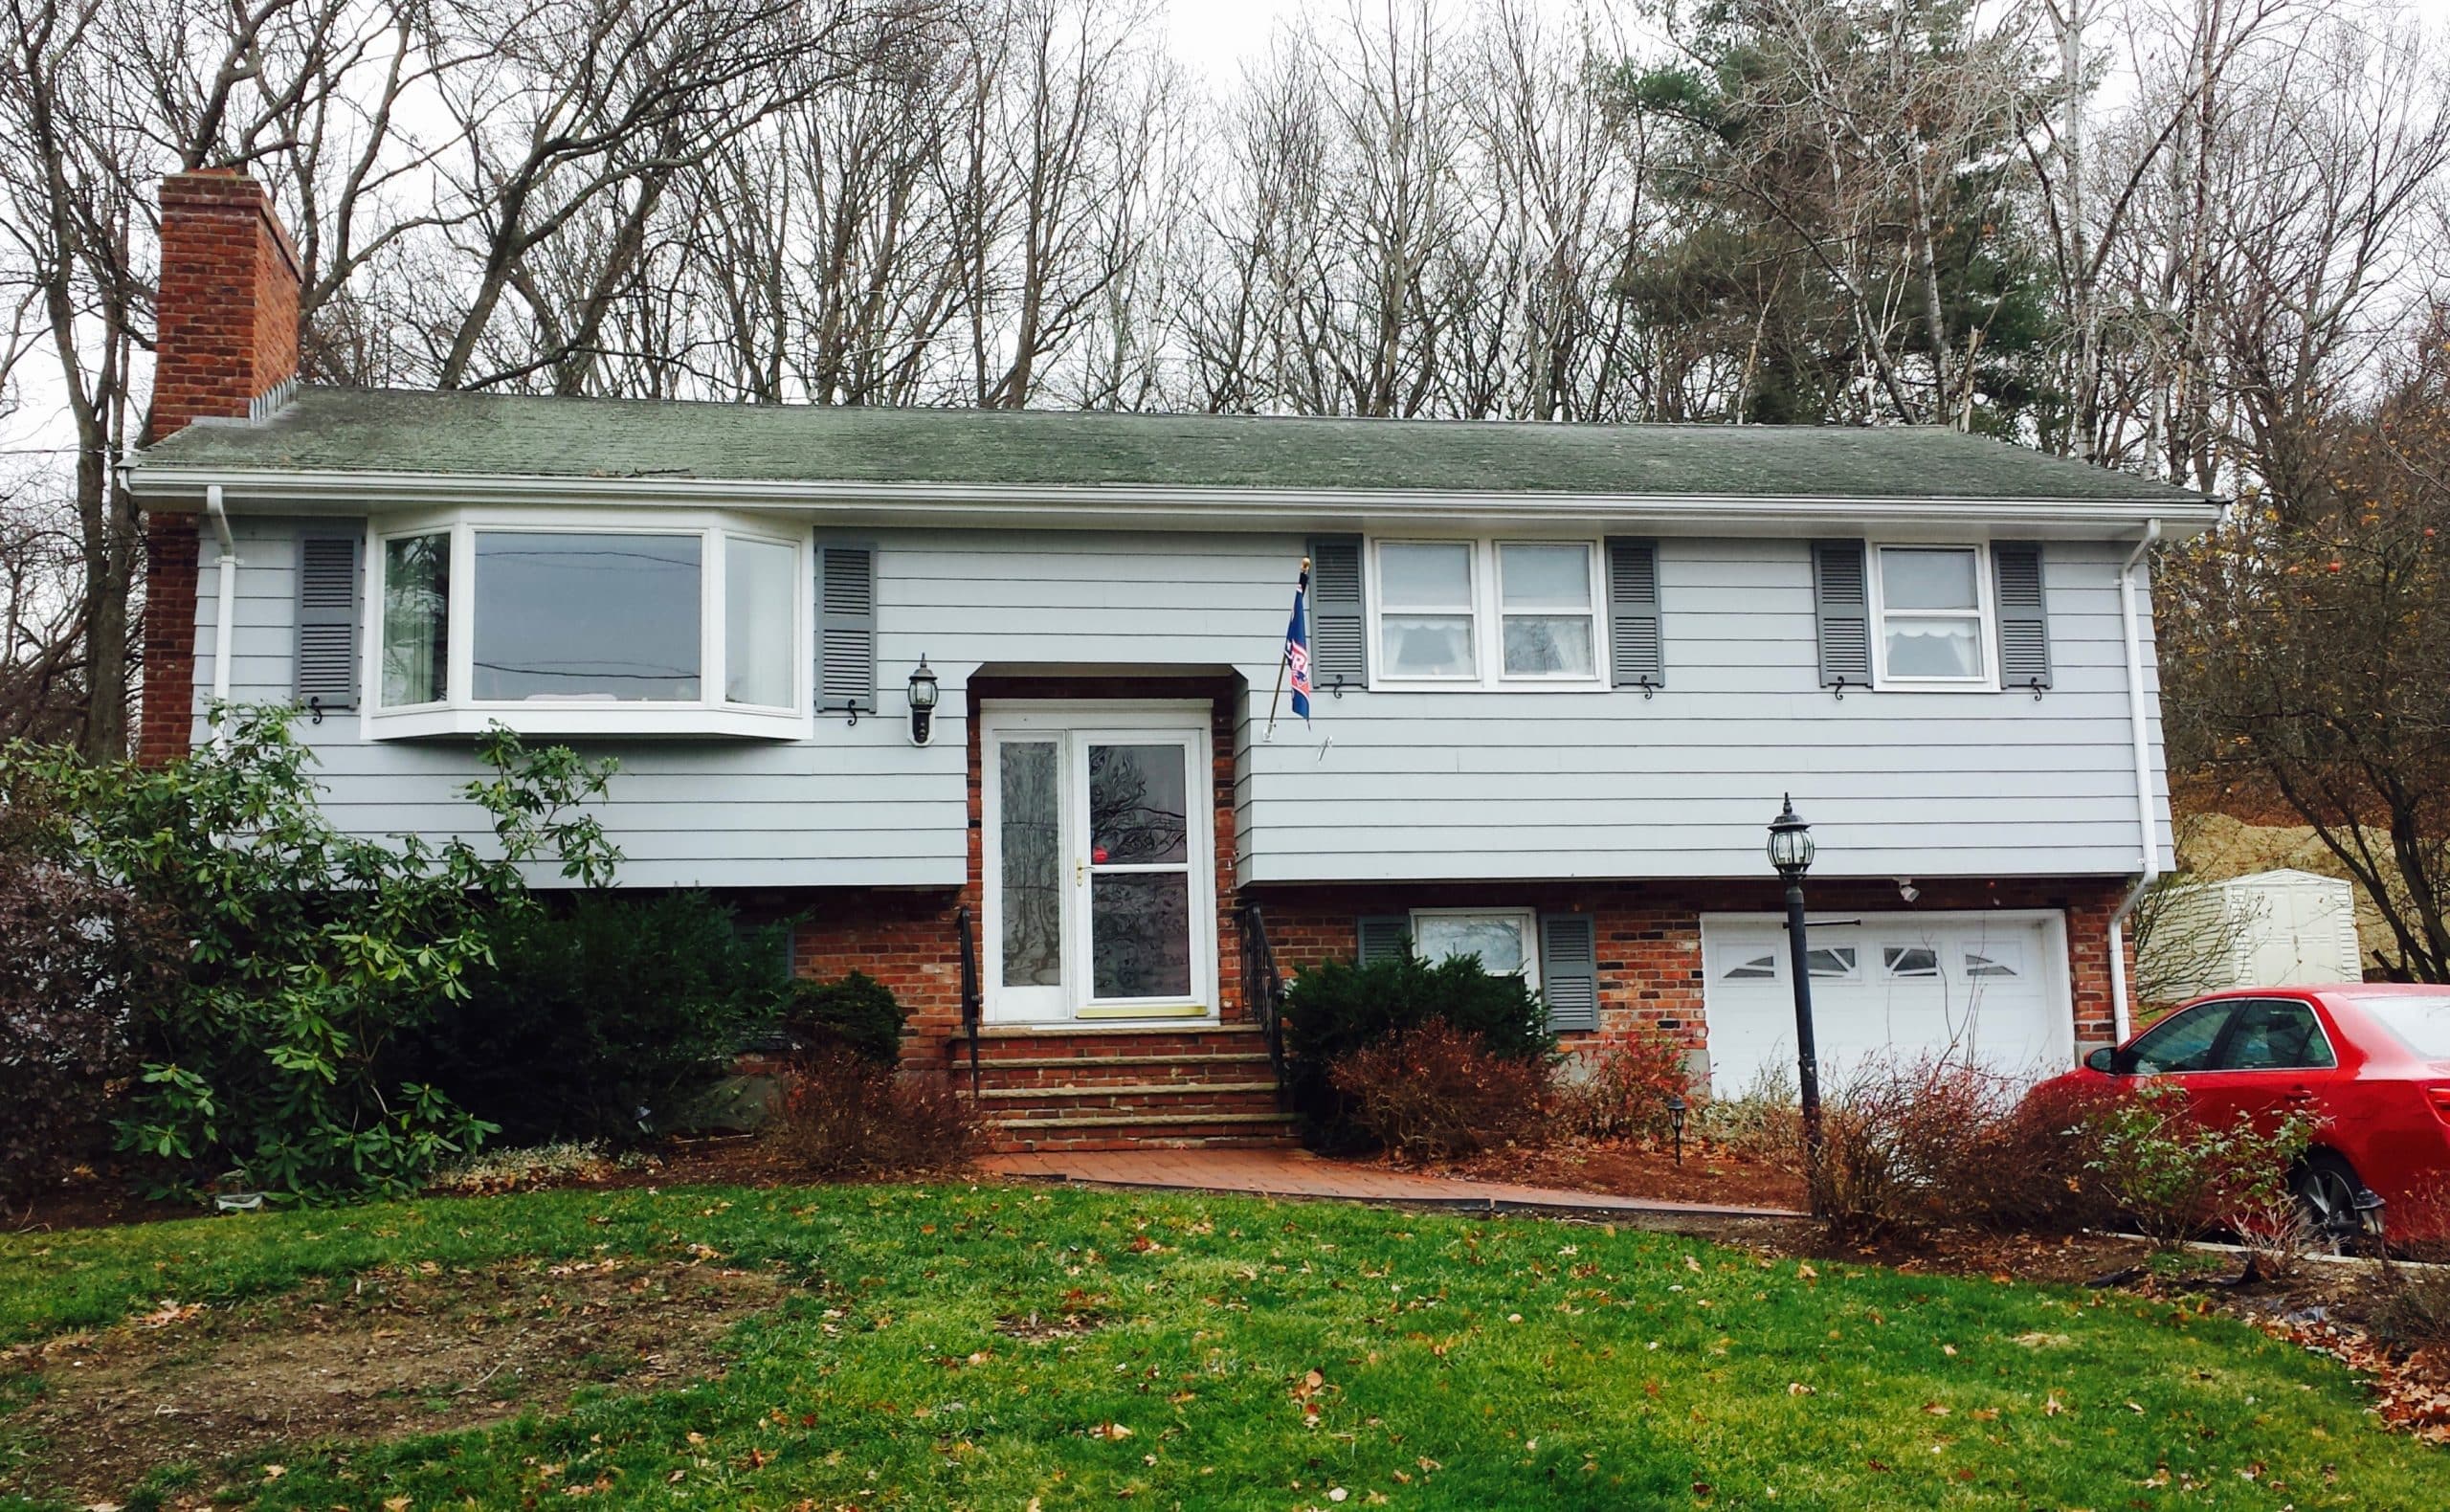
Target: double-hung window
[[686, 624], [1487, 614], [1933, 607]]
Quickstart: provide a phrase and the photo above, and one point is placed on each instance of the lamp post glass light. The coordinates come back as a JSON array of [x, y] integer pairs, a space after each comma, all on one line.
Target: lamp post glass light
[[1791, 851]]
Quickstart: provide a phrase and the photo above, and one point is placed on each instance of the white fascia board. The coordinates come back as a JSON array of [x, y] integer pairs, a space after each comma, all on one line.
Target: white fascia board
[[1142, 507]]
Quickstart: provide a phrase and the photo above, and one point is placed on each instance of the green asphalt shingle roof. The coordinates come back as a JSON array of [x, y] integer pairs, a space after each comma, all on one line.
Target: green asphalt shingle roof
[[494, 434]]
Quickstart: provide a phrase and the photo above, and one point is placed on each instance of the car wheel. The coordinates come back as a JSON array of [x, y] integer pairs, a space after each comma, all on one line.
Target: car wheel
[[2335, 1201]]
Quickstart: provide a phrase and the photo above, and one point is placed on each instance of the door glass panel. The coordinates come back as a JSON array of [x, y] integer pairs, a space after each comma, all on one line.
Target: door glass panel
[[2181, 1043], [1031, 837], [1137, 802], [2277, 1036], [1139, 934]]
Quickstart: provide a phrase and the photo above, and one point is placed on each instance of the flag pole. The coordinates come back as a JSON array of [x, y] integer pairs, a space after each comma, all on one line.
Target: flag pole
[[1283, 659]]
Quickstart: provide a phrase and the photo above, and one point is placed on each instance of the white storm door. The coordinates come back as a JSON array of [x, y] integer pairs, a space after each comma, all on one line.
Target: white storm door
[[1098, 863]]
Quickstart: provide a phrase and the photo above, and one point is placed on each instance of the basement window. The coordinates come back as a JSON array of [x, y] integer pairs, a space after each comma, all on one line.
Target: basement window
[[569, 624]]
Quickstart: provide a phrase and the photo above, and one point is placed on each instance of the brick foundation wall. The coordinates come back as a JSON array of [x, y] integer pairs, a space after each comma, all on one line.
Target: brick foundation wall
[[1650, 933]]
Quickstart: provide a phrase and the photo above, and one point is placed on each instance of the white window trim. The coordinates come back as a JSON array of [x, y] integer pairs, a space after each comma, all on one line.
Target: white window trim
[[1528, 917], [1984, 614], [1489, 618], [708, 715]]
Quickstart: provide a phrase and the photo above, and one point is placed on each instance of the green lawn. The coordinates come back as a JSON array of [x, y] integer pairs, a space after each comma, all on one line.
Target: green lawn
[[1460, 1364]]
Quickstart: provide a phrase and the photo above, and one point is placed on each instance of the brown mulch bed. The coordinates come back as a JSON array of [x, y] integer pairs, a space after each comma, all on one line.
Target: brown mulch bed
[[1711, 1176], [387, 1354]]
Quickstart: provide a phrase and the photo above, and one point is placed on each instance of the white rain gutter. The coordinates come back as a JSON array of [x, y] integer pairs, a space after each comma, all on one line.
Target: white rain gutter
[[225, 598], [2139, 729]]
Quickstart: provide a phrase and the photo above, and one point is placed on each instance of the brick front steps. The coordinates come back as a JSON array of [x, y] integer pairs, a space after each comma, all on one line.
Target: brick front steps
[[1123, 1089]]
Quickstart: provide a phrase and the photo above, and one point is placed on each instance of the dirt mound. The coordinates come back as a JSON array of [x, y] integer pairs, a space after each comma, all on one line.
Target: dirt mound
[[386, 1354]]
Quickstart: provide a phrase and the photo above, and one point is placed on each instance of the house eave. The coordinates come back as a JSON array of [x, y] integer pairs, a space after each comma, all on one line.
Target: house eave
[[182, 490]]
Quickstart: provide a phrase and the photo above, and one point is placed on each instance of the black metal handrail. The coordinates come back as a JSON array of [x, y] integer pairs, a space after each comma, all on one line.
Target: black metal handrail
[[1264, 987], [973, 1001]]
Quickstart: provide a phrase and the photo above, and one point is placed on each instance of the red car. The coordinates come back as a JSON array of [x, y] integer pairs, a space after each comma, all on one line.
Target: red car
[[2371, 1062]]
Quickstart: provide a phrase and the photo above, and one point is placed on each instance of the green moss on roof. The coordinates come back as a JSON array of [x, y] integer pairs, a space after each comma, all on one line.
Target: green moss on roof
[[493, 435]]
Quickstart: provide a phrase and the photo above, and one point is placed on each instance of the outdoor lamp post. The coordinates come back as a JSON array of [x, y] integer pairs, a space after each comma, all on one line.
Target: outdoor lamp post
[[1676, 1122], [922, 703], [1791, 851]]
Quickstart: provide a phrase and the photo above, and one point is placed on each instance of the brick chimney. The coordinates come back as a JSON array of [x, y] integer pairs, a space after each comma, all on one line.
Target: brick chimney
[[227, 323], [226, 347]]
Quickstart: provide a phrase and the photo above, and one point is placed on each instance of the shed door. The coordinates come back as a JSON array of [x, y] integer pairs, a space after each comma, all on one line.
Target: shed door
[[1991, 987]]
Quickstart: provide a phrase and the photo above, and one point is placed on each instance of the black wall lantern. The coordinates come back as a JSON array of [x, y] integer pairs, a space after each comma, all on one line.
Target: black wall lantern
[[1791, 851], [922, 703]]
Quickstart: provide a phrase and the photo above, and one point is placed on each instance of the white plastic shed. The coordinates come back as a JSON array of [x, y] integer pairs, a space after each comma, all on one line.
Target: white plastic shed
[[2278, 928]]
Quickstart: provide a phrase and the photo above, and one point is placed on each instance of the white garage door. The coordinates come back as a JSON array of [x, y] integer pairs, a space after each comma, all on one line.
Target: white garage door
[[1991, 987]]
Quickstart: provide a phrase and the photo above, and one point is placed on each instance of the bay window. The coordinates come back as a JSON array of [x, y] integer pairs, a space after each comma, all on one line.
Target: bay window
[[1487, 613], [679, 624]]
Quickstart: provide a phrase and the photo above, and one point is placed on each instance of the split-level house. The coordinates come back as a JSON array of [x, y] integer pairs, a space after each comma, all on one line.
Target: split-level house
[[1565, 675]]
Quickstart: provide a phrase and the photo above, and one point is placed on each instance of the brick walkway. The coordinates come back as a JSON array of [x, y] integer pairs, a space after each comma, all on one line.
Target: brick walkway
[[1298, 1174]]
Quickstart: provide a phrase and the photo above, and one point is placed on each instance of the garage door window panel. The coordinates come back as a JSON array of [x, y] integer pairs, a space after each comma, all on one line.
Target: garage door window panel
[[1910, 962]]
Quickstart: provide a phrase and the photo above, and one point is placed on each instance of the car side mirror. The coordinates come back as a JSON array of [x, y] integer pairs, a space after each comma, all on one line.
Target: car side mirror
[[2103, 1061]]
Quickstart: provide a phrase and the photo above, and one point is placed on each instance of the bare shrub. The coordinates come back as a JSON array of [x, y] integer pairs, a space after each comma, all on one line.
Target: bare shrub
[[2031, 1170], [1937, 1142], [1761, 1123], [1435, 1092], [1624, 1087], [845, 1115], [2277, 1234]]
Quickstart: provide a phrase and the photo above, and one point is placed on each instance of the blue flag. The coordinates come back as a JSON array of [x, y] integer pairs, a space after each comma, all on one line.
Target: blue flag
[[1297, 645]]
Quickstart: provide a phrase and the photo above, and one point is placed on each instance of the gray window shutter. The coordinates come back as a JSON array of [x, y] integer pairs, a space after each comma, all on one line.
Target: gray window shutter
[[1569, 971], [1635, 656], [1840, 596], [1381, 937], [2024, 621], [846, 628], [1339, 634], [328, 619]]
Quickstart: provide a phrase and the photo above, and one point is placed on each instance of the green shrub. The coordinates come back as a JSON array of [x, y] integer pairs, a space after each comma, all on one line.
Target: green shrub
[[1335, 1010], [309, 952], [2175, 1176], [858, 1013], [602, 1016]]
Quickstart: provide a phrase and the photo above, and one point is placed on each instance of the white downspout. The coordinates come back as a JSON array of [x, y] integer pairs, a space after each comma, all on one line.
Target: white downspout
[[225, 597], [2139, 729]]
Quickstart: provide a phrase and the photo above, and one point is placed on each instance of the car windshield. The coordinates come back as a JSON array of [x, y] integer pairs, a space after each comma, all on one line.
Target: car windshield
[[2421, 1023]]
